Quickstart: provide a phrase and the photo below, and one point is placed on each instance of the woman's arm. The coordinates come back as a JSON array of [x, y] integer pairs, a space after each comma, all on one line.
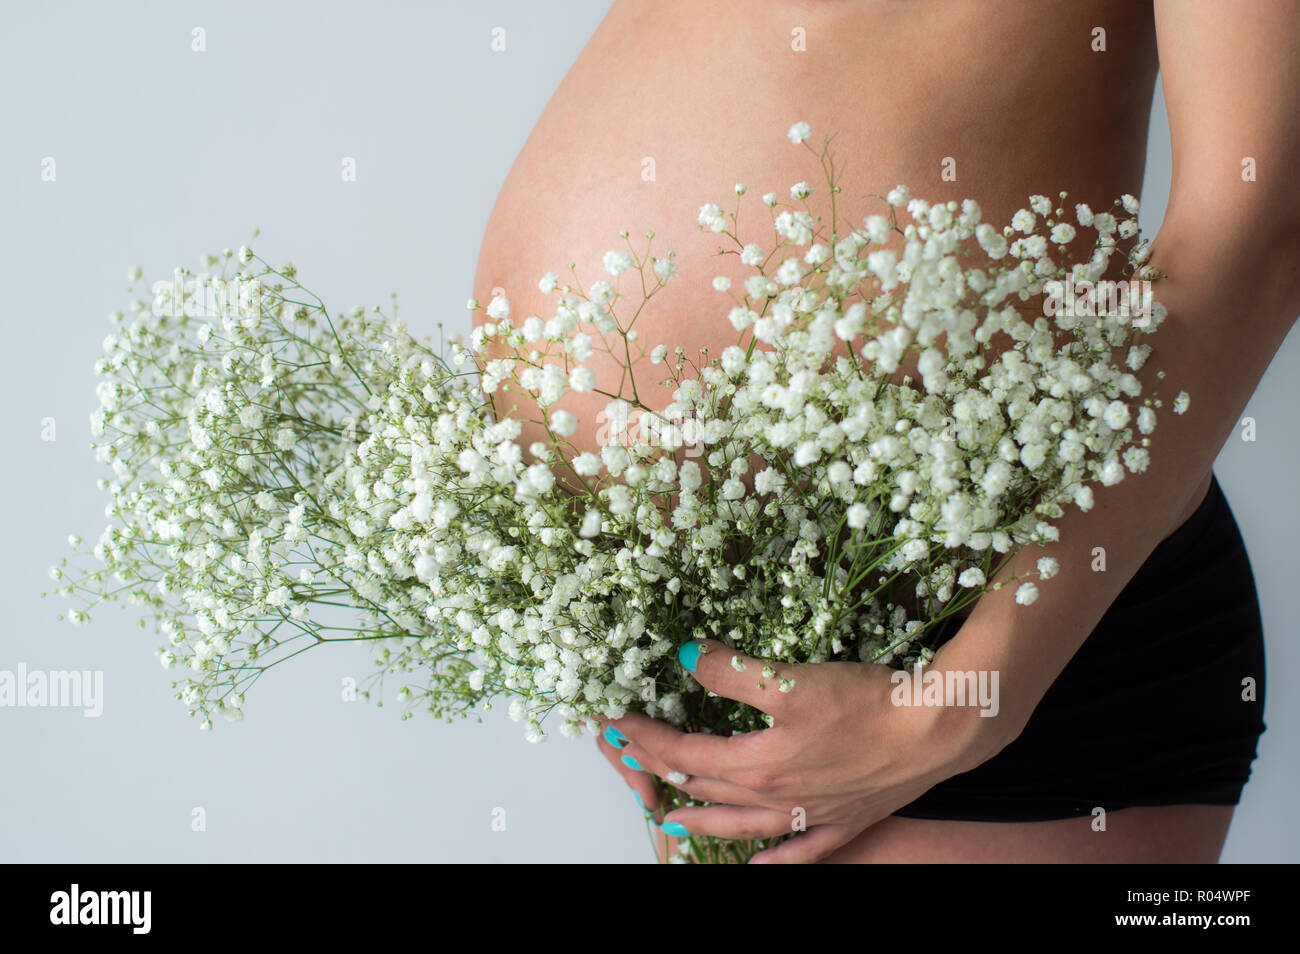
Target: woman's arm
[[839, 752], [1231, 249]]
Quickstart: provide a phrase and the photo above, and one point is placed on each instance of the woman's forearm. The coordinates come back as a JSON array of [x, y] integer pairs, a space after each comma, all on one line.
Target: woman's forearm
[[1232, 296], [1230, 245]]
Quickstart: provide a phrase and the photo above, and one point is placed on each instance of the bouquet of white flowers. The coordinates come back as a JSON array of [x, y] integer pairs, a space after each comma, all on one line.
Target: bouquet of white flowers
[[285, 478]]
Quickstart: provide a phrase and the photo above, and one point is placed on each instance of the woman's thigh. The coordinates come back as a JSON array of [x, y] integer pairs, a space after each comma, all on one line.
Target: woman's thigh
[[1177, 834]]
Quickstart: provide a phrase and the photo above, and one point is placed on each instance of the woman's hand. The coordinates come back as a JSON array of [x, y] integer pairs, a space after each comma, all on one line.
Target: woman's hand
[[840, 756]]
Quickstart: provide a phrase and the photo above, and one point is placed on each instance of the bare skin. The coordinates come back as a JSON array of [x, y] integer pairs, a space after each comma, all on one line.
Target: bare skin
[[1174, 834], [715, 86], [1016, 96]]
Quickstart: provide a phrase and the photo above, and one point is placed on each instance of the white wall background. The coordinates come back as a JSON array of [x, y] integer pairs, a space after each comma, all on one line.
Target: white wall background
[[162, 154]]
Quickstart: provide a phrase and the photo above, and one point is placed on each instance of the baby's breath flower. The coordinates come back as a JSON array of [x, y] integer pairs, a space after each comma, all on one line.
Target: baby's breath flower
[[616, 263], [711, 217], [898, 196], [1062, 233], [564, 423], [1104, 223], [1026, 593], [1136, 459], [1116, 414]]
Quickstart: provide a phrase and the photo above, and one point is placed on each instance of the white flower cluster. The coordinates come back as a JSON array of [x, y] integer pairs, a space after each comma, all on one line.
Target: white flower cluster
[[896, 419]]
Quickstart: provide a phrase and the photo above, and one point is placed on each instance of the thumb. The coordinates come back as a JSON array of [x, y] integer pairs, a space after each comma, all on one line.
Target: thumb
[[760, 683]]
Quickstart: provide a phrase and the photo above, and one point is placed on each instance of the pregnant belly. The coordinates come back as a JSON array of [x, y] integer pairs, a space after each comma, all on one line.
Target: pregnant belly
[[670, 105]]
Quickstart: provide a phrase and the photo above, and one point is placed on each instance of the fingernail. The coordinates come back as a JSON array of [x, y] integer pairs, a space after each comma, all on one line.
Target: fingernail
[[632, 763], [689, 655], [615, 737], [676, 829], [637, 796]]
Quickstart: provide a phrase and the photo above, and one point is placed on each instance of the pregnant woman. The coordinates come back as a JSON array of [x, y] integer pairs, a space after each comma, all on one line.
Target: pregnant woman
[[1127, 723]]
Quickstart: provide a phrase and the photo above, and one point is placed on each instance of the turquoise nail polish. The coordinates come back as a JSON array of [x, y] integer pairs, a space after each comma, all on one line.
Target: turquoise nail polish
[[615, 737], [632, 763], [637, 796], [689, 655], [676, 829]]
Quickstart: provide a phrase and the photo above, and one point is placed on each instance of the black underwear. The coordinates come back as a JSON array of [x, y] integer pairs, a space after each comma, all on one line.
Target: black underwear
[[1150, 711]]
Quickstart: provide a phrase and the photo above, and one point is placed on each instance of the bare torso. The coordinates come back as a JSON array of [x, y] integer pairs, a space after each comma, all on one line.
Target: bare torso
[[1013, 93]]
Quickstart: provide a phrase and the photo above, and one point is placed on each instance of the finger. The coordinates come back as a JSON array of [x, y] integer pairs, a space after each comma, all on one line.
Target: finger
[[758, 682], [718, 791], [727, 821], [639, 760], [812, 846], [642, 785], [692, 753], [613, 735]]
